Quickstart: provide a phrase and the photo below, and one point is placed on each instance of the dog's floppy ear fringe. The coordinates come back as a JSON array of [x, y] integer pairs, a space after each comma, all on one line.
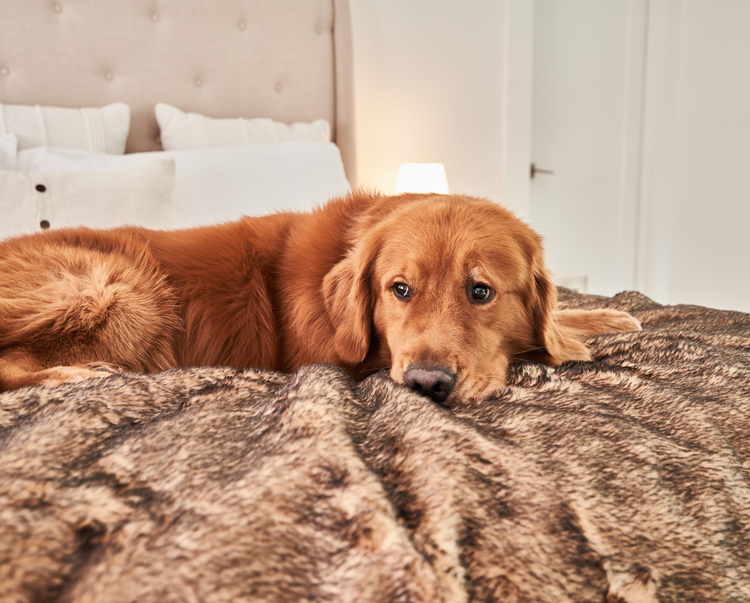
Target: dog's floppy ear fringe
[[348, 295], [558, 340]]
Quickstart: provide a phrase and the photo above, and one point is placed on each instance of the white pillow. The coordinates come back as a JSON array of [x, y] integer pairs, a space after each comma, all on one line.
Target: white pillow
[[8, 148], [217, 185], [139, 196], [100, 130], [181, 131]]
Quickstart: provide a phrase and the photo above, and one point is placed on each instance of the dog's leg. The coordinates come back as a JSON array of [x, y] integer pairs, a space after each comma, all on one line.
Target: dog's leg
[[589, 323], [567, 330], [18, 369]]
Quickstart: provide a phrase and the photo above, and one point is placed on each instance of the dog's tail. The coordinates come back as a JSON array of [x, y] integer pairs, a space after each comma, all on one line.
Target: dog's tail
[[80, 305]]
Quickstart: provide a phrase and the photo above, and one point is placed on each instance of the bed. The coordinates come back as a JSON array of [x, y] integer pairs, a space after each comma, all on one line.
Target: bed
[[160, 106], [621, 479]]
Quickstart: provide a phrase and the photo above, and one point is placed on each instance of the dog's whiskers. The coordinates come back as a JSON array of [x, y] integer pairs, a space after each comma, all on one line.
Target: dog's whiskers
[[516, 356]]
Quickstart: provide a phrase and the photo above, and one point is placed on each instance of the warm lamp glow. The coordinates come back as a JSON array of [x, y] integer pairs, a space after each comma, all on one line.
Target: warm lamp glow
[[422, 178]]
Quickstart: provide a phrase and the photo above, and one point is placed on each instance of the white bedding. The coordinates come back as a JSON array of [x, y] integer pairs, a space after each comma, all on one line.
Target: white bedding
[[138, 195], [215, 185]]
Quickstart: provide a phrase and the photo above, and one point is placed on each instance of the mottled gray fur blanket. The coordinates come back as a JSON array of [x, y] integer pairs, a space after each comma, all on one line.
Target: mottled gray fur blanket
[[623, 479]]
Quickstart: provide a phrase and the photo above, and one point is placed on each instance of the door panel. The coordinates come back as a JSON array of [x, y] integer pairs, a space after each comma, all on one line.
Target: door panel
[[586, 127]]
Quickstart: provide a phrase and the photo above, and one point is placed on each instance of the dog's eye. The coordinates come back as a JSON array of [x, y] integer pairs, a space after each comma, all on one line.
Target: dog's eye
[[481, 294], [402, 291]]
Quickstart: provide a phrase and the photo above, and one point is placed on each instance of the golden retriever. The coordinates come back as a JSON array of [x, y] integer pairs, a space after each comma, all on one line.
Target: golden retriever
[[446, 290]]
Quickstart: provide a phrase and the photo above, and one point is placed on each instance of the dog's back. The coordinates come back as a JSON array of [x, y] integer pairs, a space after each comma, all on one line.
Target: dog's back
[[77, 301]]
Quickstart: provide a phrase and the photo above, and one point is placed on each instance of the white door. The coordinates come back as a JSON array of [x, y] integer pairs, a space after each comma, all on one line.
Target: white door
[[587, 91], [641, 111]]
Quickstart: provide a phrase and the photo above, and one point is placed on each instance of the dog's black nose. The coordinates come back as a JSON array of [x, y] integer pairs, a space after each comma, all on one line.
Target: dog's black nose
[[433, 382]]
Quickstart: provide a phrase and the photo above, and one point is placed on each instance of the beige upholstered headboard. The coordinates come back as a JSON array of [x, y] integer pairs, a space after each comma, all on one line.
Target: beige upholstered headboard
[[289, 60]]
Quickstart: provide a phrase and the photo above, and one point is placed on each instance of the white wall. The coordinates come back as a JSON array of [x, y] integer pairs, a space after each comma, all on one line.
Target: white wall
[[711, 227], [429, 77], [695, 200]]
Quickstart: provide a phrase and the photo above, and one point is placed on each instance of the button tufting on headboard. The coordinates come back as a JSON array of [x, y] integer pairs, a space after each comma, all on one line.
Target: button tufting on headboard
[[291, 45]]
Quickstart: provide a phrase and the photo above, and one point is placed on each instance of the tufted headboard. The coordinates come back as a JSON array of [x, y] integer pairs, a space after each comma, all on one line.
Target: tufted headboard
[[289, 60]]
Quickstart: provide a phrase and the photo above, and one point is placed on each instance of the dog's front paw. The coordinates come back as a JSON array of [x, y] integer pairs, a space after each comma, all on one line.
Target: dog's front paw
[[622, 322], [69, 374], [104, 367]]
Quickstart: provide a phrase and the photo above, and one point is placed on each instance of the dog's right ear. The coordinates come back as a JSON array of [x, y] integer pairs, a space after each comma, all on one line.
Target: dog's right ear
[[348, 295], [558, 341]]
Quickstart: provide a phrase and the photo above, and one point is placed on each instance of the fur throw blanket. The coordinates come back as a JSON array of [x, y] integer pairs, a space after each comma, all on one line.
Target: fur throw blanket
[[623, 479]]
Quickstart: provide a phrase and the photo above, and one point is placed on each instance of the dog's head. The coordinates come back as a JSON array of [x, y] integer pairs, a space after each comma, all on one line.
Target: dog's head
[[447, 290]]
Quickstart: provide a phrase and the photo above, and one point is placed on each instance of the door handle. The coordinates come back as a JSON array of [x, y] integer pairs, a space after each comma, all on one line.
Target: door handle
[[535, 170]]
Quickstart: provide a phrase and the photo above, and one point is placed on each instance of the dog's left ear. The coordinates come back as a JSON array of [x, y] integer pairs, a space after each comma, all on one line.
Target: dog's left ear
[[558, 340], [347, 291]]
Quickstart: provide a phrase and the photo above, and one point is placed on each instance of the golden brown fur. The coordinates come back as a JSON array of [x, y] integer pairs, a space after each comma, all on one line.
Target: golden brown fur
[[289, 289]]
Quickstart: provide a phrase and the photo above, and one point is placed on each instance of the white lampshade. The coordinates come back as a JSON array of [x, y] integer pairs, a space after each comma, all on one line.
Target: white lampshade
[[421, 178]]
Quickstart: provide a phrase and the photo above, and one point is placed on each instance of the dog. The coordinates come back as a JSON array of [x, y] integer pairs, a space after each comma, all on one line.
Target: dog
[[445, 290]]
